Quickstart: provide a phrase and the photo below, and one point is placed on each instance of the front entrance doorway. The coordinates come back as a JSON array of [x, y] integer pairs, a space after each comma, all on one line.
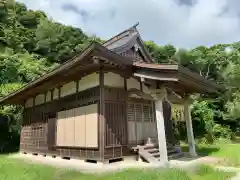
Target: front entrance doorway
[[141, 121]]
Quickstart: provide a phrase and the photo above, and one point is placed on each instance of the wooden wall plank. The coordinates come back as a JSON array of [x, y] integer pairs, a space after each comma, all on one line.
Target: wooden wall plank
[[113, 80], [69, 128], [51, 132], [60, 139], [91, 113], [80, 127], [34, 133], [69, 88]]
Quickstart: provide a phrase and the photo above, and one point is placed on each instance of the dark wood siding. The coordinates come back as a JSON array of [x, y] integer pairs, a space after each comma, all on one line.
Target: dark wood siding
[[116, 125], [116, 122], [169, 130], [132, 53], [38, 128], [51, 130]]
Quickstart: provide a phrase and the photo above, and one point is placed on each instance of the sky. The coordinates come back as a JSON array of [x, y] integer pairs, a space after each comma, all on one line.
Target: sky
[[183, 23]]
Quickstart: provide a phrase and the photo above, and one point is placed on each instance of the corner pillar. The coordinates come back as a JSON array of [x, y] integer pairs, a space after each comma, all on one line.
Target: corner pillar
[[158, 97], [190, 135]]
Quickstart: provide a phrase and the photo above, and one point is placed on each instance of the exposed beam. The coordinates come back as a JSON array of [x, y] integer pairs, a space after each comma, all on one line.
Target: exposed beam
[[139, 93], [156, 76]]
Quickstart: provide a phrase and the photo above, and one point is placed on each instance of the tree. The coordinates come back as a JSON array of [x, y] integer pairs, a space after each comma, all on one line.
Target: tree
[[162, 54]]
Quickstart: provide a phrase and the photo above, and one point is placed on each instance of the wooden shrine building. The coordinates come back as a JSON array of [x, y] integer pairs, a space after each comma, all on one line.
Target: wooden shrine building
[[106, 101]]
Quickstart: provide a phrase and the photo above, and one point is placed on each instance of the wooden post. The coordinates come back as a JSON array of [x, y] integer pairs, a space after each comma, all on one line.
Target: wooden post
[[190, 135], [161, 132], [101, 119], [161, 127]]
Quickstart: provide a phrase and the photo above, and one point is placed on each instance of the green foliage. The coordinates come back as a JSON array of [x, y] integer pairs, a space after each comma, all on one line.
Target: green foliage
[[160, 54], [8, 88], [10, 121], [219, 63], [205, 118], [222, 132], [21, 67]]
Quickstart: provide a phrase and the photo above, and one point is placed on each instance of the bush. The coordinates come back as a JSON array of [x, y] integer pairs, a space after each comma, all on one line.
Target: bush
[[220, 131], [202, 140], [222, 141]]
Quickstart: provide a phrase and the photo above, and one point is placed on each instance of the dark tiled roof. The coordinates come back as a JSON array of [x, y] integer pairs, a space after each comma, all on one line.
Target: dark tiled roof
[[123, 44], [126, 40], [122, 41]]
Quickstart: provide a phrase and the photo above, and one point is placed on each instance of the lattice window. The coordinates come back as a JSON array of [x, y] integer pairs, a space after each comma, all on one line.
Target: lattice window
[[131, 112], [140, 112], [147, 115]]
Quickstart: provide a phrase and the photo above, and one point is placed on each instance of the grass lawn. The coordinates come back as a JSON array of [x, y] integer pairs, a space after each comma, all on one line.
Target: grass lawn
[[229, 153], [12, 169]]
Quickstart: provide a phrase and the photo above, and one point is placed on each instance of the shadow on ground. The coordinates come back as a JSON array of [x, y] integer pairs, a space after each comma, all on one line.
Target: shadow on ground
[[203, 151], [206, 151]]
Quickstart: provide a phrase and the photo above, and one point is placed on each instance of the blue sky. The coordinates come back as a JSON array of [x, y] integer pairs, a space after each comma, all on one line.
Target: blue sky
[[184, 23]]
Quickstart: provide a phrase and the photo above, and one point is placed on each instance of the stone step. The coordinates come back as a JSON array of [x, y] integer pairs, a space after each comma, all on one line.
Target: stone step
[[171, 151], [175, 156], [156, 155], [153, 150]]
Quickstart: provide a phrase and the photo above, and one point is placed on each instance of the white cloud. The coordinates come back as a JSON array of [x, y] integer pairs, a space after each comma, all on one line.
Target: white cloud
[[204, 22]]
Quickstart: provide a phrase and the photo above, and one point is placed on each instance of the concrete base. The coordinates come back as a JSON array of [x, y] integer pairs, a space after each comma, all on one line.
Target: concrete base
[[128, 162], [86, 167]]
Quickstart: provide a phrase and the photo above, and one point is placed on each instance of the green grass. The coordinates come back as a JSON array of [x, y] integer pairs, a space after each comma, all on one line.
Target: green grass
[[229, 153], [12, 169]]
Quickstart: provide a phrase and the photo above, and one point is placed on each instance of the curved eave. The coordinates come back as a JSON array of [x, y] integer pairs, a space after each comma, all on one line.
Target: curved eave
[[176, 76], [202, 84], [76, 64]]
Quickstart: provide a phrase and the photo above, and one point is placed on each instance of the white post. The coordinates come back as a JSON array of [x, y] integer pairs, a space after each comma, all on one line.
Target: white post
[[190, 135], [161, 129]]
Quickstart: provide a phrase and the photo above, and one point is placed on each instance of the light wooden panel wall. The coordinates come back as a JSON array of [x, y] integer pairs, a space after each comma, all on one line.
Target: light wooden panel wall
[[70, 128], [80, 124], [69, 88], [78, 127], [89, 81], [48, 96], [29, 103], [113, 80], [91, 125], [55, 93], [60, 139], [39, 99], [133, 83]]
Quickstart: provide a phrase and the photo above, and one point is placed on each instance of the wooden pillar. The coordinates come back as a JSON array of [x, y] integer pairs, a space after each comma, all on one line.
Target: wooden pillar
[[102, 120], [190, 135], [161, 127]]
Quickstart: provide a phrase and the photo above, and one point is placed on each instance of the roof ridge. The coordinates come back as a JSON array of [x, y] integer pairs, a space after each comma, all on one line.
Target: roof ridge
[[121, 35]]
